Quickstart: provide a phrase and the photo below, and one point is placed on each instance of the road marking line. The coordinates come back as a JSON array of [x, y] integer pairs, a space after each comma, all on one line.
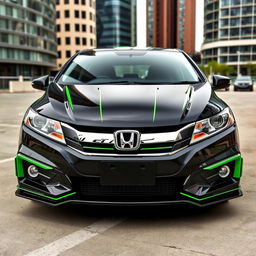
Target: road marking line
[[10, 125], [6, 160], [75, 238]]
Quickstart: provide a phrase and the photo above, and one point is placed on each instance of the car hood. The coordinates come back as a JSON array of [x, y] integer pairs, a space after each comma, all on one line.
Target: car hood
[[126, 105]]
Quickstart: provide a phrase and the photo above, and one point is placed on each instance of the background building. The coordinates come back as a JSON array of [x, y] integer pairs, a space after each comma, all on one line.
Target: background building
[[27, 38], [116, 23], [76, 27], [229, 32], [171, 24]]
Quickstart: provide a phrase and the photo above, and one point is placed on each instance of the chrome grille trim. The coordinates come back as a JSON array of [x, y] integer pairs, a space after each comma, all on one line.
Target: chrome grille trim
[[127, 155], [146, 138]]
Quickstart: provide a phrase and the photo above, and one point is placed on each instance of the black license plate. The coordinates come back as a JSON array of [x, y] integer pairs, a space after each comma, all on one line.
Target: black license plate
[[128, 173]]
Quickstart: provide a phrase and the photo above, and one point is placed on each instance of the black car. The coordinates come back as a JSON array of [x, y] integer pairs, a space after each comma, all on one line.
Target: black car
[[129, 127], [243, 83]]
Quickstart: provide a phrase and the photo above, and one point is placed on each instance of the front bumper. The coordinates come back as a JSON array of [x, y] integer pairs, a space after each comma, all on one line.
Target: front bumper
[[188, 176]]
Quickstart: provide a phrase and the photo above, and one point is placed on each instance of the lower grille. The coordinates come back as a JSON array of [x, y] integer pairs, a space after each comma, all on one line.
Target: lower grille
[[163, 187]]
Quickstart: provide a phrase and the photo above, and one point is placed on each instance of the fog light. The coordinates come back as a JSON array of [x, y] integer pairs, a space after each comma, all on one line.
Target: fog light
[[224, 171], [33, 171]]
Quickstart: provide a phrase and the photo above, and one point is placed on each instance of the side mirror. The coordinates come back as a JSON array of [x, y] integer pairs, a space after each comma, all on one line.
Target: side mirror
[[41, 83], [220, 82]]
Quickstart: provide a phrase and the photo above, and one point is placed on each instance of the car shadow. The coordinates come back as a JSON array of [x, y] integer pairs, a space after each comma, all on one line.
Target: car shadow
[[76, 214]]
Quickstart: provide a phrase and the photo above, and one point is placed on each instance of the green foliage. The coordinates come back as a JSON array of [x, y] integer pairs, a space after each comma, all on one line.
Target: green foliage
[[213, 67], [251, 68]]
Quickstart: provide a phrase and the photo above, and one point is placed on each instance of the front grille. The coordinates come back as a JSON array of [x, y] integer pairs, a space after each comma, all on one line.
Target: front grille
[[103, 143], [163, 187]]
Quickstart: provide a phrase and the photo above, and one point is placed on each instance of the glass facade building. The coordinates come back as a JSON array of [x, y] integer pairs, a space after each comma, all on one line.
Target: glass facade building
[[229, 31], [115, 23], [27, 37]]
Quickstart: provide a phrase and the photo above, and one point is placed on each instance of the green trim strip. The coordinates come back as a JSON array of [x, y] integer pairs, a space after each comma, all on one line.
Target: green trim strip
[[208, 197], [98, 148], [100, 108], [154, 110], [49, 197], [69, 98], [238, 165], [19, 165], [43, 166], [170, 147]]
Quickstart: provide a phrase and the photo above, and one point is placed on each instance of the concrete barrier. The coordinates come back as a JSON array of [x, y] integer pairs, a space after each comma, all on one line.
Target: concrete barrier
[[21, 86]]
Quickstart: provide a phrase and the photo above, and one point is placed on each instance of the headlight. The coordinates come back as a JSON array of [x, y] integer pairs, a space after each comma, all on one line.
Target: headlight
[[212, 125], [45, 126]]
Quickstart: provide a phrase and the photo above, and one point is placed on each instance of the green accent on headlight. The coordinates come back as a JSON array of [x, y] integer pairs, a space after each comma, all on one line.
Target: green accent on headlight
[[49, 197], [238, 165], [208, 197], [19, 165], [170, 147], [100, 108], [99, 148], [69, 98], [154, 109]]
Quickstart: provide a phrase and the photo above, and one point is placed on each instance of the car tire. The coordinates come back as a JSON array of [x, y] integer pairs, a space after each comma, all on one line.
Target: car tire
[[226, 89], [251, 88]]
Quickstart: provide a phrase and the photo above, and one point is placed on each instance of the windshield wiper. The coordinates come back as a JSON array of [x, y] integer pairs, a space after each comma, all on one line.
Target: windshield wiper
[[112, 82]]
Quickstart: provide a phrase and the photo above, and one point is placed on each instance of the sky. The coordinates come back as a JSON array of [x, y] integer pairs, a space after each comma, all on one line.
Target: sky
[[141, 23]]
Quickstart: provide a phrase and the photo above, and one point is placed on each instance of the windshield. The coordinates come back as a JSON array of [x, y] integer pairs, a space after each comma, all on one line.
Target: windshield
[[244, 78], [131, 67]]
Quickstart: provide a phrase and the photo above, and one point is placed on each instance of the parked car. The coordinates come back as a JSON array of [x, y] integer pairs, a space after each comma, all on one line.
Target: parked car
[[243, 83], [129, 127]]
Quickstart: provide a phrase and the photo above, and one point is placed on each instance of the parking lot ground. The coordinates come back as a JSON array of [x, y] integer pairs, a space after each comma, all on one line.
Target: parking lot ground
[[29, 228]]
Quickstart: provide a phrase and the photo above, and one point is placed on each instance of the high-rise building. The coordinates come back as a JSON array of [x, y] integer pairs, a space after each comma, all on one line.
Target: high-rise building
[[27, 37], [76, 27], [171, 24], [116, 23], [229, 32]]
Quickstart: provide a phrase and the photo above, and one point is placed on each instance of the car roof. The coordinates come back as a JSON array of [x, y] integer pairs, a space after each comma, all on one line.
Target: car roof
[[126, 49]]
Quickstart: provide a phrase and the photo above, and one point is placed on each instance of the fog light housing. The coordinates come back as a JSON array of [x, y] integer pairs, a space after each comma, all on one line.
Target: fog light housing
[[224, 171], [33, 171]]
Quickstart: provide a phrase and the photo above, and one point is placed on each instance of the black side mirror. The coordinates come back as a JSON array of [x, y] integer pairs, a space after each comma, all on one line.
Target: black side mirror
[[220, 82], [41, 83]]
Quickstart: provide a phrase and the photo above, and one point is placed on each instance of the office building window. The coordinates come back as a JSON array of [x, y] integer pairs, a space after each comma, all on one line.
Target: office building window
[[83, 27], [84, 41], [76, 1], [91, 29], [90, 3], [91, 42], [57, 14], [77, 40], [67, 39], [59, 54], [91, 16], [76, 14], [77, 27], [68, 54], [67, 27], [66, 1], [57, 2], [59, 40], [83, 2], [67, 14], [84, 14], [58, 28]]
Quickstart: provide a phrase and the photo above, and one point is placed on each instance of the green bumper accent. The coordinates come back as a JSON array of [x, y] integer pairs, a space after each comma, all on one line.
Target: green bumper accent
[[98, 148], [19, 166], [69, 98], [238, 165], [208, 197], [48, 197]]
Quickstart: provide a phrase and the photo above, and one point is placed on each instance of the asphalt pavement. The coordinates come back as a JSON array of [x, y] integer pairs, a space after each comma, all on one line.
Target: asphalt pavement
[[29, 228]]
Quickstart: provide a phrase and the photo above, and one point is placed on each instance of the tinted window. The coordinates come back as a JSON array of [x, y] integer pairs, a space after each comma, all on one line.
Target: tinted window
[[131, 67]]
